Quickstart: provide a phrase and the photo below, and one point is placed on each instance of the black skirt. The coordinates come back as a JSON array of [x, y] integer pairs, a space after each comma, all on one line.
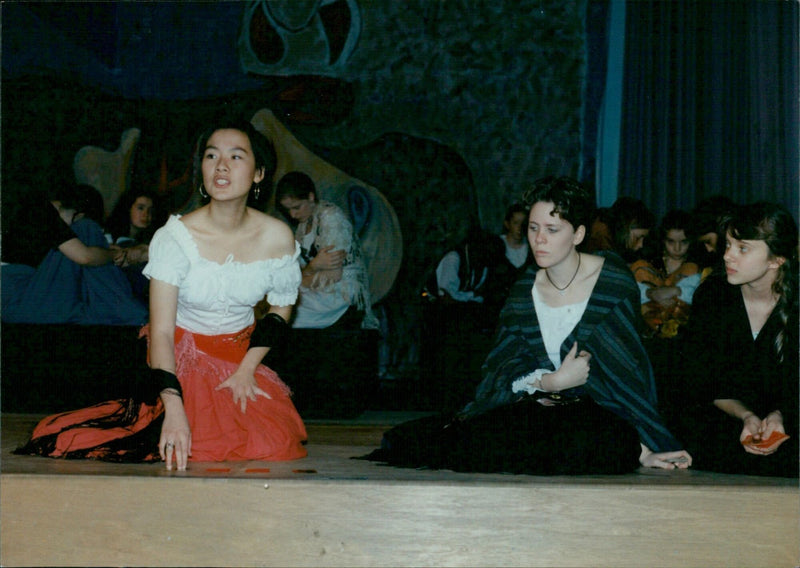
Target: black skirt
[[580, 438]]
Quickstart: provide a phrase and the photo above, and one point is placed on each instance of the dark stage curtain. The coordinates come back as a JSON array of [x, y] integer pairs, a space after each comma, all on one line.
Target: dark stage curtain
[[710, 102], [597, 31]]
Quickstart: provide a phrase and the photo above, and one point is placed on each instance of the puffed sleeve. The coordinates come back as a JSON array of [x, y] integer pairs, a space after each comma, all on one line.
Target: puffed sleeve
[[168, 261], [286, 281]]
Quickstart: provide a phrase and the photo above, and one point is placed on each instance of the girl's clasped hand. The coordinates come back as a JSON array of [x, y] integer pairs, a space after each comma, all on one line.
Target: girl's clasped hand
[[762, 437], [574, 370]]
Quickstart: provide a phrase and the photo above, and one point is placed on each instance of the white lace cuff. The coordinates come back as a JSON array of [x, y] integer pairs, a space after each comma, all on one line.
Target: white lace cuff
[[531, 382]]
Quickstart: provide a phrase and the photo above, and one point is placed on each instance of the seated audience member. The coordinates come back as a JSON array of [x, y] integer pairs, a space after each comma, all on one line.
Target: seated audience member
[[473, 271], [631, 221], [568, 387], [739, 392], [707, 217], [599, 237], [335, 278], [57, 267], [465, 295], [131, 226], [332, 367], [666, 276], [514, 229]]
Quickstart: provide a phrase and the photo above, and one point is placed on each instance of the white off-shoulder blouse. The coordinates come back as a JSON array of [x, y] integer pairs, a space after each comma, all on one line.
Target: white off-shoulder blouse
[[216, 298]]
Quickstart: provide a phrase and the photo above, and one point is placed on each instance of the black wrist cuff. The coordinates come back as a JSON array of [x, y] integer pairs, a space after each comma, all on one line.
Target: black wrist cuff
[[149, 384], [271, 331], [165, 380]]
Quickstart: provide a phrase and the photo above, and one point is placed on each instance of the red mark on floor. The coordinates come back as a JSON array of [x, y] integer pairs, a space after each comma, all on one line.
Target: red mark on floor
[[257, 470]]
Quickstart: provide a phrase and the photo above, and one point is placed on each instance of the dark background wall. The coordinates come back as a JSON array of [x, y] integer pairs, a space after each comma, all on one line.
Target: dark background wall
[[499, 83]]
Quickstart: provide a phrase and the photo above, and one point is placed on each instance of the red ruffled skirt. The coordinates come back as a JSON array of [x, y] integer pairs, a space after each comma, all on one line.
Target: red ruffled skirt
[[124, 430]]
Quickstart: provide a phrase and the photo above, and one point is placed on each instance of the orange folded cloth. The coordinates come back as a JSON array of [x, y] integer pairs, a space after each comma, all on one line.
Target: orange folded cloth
[[775, 439]]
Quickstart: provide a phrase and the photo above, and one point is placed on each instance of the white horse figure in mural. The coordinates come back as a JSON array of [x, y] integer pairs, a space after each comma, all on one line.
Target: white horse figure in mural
[[108, 172]]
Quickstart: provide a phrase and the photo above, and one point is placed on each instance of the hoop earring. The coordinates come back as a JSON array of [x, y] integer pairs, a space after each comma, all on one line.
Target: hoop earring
[[202, 191]]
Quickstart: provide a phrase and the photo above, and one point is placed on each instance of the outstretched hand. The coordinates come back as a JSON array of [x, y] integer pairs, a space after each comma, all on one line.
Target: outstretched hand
[[175, 442], [243, 388]]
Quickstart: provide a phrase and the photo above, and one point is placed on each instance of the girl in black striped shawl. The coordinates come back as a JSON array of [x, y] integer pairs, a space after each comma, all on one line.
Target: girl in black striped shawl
[[568, 387]]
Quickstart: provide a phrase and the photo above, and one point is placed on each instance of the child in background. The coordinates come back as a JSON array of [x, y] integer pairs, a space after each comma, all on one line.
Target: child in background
[[667, 279]]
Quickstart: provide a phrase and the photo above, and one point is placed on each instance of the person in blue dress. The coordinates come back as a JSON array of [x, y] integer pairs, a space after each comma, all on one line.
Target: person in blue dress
[[57, 266]]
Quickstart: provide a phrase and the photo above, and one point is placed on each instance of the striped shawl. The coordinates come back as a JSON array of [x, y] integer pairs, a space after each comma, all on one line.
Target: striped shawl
[[621, 378]]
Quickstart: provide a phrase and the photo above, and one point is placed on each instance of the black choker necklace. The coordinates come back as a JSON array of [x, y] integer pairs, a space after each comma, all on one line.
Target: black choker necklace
[[563, 290]]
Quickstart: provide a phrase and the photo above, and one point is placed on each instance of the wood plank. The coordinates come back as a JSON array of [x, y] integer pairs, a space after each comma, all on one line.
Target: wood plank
[[100, 520], [331, 510]]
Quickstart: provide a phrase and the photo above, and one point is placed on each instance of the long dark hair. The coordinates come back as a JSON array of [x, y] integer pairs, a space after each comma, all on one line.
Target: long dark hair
[[263, 152], [628, 214], [119, 222], [773, 224]]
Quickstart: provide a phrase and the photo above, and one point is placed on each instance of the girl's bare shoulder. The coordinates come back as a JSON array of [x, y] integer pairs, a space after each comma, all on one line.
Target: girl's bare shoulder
[[273, 234], [196, 220]]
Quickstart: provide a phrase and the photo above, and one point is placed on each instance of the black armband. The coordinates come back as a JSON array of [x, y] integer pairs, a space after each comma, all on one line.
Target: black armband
[[271, 331], [150, 383], [166, 381]]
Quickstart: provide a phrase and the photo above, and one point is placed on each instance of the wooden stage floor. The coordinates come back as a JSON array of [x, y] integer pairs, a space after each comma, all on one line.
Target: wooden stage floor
[[331, 510]]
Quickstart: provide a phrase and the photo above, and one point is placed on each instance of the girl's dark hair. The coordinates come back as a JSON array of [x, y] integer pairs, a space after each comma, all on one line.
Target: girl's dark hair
[[707, 214], [263, 152], [676, 219], [571, 199], [773, 224], [513, 209], [296, 185], [653, 249], [118, 223], [82, 198], [627, 214]]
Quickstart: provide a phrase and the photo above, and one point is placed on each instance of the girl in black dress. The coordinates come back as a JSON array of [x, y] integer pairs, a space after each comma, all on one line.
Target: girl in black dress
[[740, 388]]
